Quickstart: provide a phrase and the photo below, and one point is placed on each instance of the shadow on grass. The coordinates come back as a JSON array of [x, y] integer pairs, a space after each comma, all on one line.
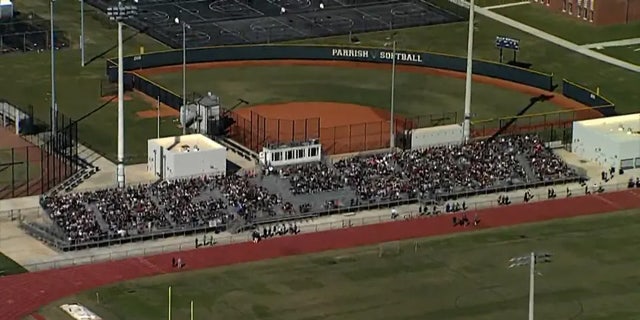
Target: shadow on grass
[[113, 47], [533, 101], [9, 267]]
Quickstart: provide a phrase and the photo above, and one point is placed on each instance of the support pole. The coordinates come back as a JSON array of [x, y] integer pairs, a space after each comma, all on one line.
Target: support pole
[[169, 314], [158, 120], [532, 273], [52, 45], [184, 74], [469, 76], [120, 168], [82, 33], [392, 139]]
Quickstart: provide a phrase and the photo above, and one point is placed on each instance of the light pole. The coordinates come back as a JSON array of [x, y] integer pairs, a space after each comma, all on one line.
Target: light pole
[[54, 103], [467, 94], [530, 260], [392, 138], [82, 32], [185, 26], [119, 13]]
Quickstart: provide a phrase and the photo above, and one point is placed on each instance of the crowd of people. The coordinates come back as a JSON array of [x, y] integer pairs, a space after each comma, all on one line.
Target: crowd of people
[[206, 201], [210, 201], [453, 169]]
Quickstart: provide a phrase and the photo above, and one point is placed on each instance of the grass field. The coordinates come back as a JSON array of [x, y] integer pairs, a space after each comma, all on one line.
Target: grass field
[[593, 276], [18, 173], [9, 267], [78, 88], [417, 94], [576, 31], [627, 53]]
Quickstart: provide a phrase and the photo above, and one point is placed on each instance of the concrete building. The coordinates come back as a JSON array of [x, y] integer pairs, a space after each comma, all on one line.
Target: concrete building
[[185, 156], [610, 142], [600, 12], [6, 10]]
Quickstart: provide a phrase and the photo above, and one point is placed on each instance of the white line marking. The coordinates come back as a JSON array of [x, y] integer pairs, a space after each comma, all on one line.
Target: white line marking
[[507, 5], [288, 26], [611, 203], [614, 43], [390, 24]]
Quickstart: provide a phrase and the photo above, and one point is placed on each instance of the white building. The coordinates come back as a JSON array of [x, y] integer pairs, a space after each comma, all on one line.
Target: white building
[[6, 9], [185, 156], [436, 136], [291, 153], [610, 142]]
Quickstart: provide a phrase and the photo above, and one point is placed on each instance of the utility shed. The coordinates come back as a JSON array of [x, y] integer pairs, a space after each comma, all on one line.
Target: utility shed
[[610, 142], [185, 156]]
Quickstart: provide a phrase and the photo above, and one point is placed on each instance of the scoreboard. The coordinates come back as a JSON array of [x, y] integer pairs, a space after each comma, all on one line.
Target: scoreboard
[[507, 43]]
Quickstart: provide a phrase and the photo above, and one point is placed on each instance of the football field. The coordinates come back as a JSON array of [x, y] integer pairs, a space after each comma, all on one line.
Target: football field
[[593, 275]]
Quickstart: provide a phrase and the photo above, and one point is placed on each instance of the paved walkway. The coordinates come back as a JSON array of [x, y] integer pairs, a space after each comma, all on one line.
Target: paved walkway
[[614, 43], [551, 38], [506, 5]]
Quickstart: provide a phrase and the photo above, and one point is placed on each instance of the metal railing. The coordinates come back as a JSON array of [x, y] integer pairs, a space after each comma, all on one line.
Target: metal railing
[[347, 221], [55, 239]]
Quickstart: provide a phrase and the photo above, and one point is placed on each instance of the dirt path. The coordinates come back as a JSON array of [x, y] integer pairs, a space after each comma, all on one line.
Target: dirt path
[[341, 127]]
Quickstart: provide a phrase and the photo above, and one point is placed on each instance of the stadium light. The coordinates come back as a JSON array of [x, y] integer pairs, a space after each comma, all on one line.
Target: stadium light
[[120, 13], [392, 138], [467, 94], [82, 33], [54, 103], [185, 26], [530, 260]]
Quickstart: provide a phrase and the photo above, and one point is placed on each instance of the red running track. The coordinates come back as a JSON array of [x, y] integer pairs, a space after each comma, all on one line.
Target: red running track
[[23, 294]]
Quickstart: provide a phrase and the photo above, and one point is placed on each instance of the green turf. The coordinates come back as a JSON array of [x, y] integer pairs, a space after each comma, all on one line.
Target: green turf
[[626, 53], [593, 276], [574, 30], [416, 93], [78, 88], [9, 267], [18, 173], [615, 83]]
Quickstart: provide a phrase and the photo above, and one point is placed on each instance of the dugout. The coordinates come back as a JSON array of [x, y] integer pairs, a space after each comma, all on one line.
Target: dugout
[[185, 156], [609, 142]]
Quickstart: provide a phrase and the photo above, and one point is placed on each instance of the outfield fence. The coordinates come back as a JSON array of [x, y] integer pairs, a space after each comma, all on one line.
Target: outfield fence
[[347, 220], [551, 126]]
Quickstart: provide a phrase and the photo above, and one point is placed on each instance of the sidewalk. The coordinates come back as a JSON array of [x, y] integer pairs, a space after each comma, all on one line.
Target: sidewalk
[[549, 37]]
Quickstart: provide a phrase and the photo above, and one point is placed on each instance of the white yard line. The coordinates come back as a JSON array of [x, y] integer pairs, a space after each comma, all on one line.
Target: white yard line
[[507, 5], [614, 43]]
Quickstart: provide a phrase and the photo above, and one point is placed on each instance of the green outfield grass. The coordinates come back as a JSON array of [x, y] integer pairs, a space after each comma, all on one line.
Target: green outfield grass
[[593, 276], [417, 94], [627, 53], [576, 31], [78, 88]]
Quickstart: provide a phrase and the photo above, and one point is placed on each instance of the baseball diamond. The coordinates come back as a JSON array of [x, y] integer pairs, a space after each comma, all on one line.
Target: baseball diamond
[[259, 128]]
